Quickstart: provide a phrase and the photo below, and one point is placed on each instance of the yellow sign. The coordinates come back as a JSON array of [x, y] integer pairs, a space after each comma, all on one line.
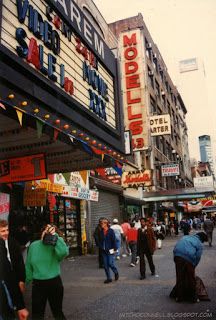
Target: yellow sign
[[34, 198]]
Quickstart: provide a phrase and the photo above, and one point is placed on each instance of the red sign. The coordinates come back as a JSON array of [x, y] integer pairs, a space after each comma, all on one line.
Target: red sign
[[133, 93], [23, 169]]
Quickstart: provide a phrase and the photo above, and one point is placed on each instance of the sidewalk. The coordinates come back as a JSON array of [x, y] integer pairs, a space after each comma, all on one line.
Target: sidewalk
[[87, 297]]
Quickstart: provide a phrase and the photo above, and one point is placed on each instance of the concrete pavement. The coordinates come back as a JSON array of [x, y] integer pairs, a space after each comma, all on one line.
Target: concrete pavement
[[88, 298]]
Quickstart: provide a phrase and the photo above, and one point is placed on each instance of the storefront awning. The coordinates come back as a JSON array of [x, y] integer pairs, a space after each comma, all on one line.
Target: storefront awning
[[179, 194], [23, 134]]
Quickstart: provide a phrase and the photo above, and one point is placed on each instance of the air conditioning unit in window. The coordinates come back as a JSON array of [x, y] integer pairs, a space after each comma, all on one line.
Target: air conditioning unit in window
[[150, 73], [154, 55], [162, 93], [149, 46]]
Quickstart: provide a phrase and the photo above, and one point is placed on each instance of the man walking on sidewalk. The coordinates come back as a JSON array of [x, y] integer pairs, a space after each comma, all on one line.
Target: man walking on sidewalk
[[208, 227], [108, 246], [146, 244]]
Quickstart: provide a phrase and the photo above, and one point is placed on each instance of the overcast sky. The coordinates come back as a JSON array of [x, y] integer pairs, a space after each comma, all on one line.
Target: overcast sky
[[182, 29]]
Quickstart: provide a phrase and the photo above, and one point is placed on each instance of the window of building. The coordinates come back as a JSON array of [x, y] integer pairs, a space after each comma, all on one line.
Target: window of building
[[151, 77], [153, 105], [148, 47], [157, 88]]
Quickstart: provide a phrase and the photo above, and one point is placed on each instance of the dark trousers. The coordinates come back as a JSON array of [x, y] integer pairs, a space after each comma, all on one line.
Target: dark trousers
[[143, 264], [133, 247], [100, 258], [209, 235], [47, 290], [185, 280]]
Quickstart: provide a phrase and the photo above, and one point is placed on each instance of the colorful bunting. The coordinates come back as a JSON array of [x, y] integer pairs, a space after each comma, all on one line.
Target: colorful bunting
[[67, 176], [2, 106], [84, 175], [55, 134], [39, 125], [86, 147], [19, 115]]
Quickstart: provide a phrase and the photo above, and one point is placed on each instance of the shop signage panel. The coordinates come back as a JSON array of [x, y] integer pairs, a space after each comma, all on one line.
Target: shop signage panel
[[23, 169], [137, 178], [80, 193], [34, 198], [170, 170], [132, 55], [4, 205], [203, 182], [160, 125], [39, 37]]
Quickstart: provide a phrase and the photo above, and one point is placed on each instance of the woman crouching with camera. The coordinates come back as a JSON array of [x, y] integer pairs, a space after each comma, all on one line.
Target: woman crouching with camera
[[43, 269]]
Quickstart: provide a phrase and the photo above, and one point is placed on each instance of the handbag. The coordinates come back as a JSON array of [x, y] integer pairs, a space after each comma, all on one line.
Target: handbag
[[50, 239]]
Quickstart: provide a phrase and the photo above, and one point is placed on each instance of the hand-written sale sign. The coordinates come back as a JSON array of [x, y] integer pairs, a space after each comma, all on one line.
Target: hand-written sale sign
[[23, 169]]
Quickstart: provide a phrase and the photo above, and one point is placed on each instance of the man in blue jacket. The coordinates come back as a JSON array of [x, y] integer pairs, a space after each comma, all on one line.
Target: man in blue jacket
[[187, 254], [107, 243]]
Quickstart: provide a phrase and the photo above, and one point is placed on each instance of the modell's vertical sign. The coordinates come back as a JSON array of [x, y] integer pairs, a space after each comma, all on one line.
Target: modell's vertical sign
[[132, 55]]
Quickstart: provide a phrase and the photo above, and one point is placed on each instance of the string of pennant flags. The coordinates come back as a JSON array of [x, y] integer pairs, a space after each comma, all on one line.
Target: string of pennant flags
[[40, 123]]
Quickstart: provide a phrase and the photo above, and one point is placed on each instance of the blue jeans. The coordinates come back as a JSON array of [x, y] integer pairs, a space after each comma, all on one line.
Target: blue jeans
[[109, 263], [118, 245]]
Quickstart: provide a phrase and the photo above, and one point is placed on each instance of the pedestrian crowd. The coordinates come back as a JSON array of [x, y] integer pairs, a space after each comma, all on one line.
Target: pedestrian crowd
[[138, 238]]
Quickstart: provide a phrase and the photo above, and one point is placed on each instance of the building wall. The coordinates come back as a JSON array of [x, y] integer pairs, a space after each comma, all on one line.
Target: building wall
[[161, 97]]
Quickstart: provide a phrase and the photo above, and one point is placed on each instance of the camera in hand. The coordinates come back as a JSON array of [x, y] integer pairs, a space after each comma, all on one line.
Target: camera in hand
[[50, 239]]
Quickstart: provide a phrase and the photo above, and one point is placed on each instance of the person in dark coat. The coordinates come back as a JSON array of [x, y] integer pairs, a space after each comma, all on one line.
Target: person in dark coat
[[11, 298], [208, 227], [14, 254], [146, 244], [108, 246], [97, 236], [187, 254]]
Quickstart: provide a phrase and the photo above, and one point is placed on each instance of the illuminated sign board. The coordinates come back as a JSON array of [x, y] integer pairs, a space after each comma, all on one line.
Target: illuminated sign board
[[137, 178], [135, 111], [23, 169], [170, 170], [160, 125], [59, 42]]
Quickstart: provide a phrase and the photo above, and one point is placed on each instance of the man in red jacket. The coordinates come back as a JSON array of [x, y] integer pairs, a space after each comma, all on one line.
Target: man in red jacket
[[132, 242]]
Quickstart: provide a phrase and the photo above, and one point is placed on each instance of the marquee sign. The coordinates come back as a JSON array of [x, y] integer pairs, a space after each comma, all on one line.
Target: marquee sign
[[23, 169], [57, 40], [135, 110]]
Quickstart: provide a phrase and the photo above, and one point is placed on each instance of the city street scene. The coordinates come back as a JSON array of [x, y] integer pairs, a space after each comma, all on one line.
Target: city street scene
[[107, 159]]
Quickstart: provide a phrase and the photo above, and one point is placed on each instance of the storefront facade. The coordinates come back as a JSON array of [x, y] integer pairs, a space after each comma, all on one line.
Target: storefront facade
[[59, 96]]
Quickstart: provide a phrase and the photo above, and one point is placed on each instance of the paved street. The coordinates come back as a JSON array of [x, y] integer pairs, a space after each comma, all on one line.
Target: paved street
[[87, 297]]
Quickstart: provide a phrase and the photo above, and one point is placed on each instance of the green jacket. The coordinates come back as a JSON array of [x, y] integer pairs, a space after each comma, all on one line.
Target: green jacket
[[43, 261]]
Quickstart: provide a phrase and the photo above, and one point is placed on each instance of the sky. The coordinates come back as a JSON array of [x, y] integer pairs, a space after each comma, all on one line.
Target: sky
[[182, 29]]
